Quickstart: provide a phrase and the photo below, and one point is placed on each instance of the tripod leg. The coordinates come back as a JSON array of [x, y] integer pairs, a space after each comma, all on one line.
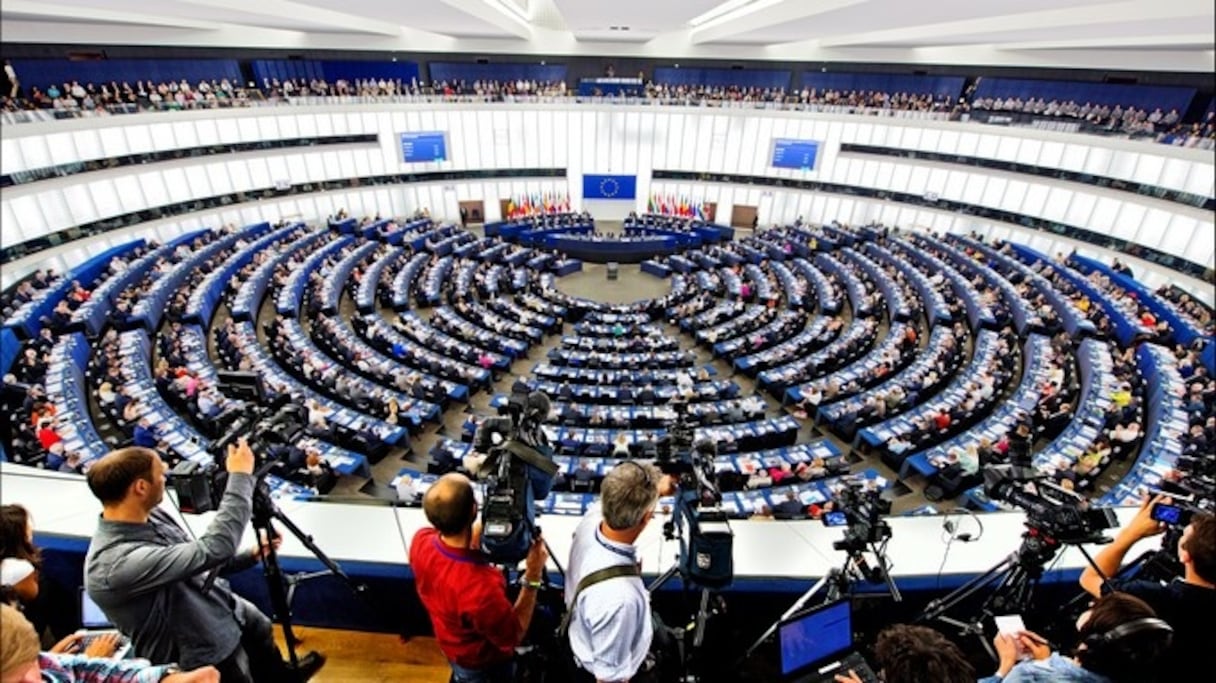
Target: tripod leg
[[276, 585]]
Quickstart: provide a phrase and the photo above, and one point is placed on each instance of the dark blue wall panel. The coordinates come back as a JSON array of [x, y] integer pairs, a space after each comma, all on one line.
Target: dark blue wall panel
[[723, 77], [40, 73], [353, 71], [465, 71], [938, 86]]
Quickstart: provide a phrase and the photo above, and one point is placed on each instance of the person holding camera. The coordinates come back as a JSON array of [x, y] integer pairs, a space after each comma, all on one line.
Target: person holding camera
[[610, 625], [476, 626], [1186, 604], [151, 579]]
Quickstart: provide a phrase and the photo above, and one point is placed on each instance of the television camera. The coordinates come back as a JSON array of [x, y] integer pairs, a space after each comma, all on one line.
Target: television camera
[[200, 484], [518, 471], [863, 508], [1052, 512], [266, 427], [706, 553], [1054, 517], [706, 556]]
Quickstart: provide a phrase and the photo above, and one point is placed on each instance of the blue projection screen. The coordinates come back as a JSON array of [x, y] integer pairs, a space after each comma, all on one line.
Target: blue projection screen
[[796, 154], [424, 147]]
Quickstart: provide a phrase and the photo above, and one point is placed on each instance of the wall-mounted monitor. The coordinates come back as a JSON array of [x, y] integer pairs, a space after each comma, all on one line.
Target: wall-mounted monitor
[[795, 154], [424, 147]]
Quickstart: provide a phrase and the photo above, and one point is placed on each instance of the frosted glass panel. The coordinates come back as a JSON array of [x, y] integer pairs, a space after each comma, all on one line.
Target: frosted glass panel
[[61, 147], [153, 187], [139, 139], [1080, 209], [113, 142], [1128, 224], [35, 152], [1014, 196], [1104, 214], [1057, 204], [80, 202], [1148, 171], [1074, 157], [129, 194], [1153, 227], [1199, 179], [162, 136], [1178, 237], [1051, 154], [29, 217], [185, 133], [105, 198]]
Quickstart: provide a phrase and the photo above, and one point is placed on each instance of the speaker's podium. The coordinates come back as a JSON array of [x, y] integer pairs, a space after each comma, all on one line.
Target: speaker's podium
[[614, 270]]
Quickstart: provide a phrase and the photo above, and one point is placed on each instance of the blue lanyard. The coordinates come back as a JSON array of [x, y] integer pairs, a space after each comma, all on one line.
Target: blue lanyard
[[628, 554]]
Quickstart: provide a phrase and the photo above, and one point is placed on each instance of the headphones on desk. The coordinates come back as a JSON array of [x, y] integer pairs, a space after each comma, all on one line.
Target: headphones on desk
[[952, 526]]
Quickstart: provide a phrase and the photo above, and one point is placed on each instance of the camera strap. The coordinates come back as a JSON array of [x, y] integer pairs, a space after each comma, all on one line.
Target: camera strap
[[531, 456], [590, 580]]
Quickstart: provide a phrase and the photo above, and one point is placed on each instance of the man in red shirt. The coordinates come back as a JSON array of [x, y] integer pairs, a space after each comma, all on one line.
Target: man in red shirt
[[476, 626]]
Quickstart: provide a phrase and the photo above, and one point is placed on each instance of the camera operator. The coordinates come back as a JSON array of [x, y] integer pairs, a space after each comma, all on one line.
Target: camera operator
[[1186, 604], [610, 621], [476, 626], [150, 578]]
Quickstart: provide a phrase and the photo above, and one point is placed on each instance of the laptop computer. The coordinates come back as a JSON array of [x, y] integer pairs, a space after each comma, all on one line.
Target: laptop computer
[[817, 644], [94, 624]]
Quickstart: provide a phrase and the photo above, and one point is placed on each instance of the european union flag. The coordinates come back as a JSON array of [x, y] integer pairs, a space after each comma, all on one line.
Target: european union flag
[[610, 186]]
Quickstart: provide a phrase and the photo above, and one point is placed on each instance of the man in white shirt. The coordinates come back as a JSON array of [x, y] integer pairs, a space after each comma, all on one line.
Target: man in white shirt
[[610, 624]]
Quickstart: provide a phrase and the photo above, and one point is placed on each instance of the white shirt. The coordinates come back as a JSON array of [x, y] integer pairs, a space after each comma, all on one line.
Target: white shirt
[[610, 627]]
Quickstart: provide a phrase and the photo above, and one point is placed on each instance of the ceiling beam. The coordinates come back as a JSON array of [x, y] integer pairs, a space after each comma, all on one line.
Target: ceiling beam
[[240, 37], [305, 13], [1174, 42], [493, 12], [1128, 11], [762, 14], [77, 12]]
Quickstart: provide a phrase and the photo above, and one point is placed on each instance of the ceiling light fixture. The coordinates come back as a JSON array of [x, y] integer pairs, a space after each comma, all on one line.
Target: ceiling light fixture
[[730, 11], [717, 11], [508, 7]]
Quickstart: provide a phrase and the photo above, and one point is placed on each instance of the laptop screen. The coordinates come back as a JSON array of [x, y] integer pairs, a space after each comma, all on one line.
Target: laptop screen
[[91, 616], [816, 635]]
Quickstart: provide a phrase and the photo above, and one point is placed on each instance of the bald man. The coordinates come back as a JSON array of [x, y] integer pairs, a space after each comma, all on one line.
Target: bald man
[[475, 624]]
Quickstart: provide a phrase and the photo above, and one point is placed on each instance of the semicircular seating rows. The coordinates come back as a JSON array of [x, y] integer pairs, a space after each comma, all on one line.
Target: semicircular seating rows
[[931, 355]]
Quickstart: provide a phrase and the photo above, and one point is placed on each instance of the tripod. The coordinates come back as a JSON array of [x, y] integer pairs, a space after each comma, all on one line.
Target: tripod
[[699, 619], [1019, 576], [837, 584], [280, 585]]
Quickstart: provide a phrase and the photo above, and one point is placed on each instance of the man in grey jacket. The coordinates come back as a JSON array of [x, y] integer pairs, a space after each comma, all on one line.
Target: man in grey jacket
[[149, 577]]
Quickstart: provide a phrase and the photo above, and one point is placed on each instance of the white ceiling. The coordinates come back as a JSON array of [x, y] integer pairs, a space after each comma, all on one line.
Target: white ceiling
[[1171, 35]]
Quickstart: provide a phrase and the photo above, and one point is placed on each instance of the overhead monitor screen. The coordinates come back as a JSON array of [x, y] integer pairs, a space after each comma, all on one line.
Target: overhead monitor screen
[[795, 154], [424, 147]]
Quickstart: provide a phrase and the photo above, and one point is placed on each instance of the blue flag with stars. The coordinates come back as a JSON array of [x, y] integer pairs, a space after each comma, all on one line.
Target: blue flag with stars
[[610, 186]]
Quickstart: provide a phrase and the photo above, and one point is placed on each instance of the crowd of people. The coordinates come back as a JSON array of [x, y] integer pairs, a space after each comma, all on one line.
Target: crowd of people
[[74, 97], [1166, 125]]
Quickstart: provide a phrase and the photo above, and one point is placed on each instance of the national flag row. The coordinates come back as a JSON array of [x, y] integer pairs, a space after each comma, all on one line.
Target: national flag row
[[537, 203], [670, 205]]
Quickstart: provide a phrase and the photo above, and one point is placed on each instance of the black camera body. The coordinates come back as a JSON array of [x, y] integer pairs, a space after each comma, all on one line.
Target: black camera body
[[863, 508], [707, 555], [1051, 511], [200, 485], [521, 471]]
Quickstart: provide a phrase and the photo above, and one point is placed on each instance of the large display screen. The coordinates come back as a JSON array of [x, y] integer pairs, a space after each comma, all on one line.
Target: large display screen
[[796, 154], [424, 147]]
